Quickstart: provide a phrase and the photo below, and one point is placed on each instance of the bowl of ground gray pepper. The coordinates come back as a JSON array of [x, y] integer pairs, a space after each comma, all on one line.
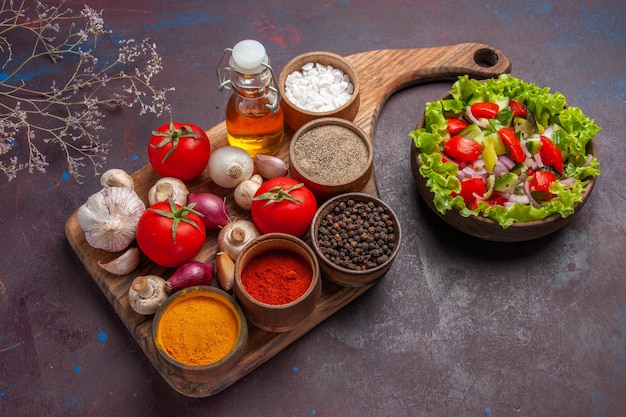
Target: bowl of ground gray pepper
[[356, 238], [331, 156]]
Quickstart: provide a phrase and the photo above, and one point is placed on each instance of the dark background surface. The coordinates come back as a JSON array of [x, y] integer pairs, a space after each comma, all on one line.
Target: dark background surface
[[458, 327]]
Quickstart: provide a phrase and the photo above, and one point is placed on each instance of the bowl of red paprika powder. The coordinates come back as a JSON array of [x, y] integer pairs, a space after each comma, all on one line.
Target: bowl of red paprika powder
[[277, 281]]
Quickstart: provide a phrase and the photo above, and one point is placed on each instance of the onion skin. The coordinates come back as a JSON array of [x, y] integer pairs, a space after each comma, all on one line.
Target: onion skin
[[212, 207], [230, 165], [189, 274]]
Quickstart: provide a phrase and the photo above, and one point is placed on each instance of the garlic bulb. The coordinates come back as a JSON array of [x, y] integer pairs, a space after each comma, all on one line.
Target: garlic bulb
[[167, 187], [109, 218], [116, 177], [123, 264]]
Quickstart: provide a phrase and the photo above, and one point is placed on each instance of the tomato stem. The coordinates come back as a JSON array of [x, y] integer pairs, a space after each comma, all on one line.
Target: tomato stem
[[173, 136], [178, 215], [278, 194]]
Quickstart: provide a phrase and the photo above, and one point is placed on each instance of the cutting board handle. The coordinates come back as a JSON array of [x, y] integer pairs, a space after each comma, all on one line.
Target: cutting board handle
[[383, 72]]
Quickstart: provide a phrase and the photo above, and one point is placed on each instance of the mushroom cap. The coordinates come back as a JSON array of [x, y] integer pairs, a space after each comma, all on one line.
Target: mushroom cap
[[146, 294]]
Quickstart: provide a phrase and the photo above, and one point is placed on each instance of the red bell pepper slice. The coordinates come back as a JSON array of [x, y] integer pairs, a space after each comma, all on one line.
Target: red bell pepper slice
[[512, 142], [455, 125], [540, 185], [485, 109], [518, 109], [471, 188], [550, 154], [462, 149]]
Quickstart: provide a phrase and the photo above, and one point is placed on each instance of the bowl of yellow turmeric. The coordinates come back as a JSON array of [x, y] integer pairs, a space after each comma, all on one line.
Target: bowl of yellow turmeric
[[200, 332]]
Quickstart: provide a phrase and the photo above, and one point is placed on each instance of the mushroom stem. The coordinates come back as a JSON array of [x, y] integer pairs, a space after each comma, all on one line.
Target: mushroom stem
[[164, 191], [238, 235], [142, 286], [146, 294]]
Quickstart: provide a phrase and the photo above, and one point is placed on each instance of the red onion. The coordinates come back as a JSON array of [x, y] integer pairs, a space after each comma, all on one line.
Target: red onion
[[189, 274], [468, 172], [506, 161], [520, 199], [212, 207], [531, 163], [479, 122], [499, 169], [528, 194], [478, 164]]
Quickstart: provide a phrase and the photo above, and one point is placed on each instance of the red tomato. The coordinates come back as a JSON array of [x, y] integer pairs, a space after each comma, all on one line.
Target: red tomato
[[540, 185], [496, 199], [550, 154], [512, 142], [462, 149], [169, 234], [485, 109], [471, 188], [518, 109], [179, 150], [455, 125], [445, 158], [283, 205]]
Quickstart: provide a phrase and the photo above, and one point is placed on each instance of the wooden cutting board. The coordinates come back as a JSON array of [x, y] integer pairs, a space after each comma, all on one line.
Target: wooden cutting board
[[382, 72]]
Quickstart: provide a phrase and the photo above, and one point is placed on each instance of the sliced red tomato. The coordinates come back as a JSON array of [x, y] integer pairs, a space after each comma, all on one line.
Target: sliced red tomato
[[169, 235], [179, 150], [512, 142], [471, 188], [283, 205], [518, 109], [485, 110], [462, 149], [445, 158], [496, 199], [455, 125], [550, 154], [540, 185]]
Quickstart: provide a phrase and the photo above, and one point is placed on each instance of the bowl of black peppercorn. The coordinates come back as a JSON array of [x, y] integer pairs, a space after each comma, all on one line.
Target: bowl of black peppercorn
[[356, 237]]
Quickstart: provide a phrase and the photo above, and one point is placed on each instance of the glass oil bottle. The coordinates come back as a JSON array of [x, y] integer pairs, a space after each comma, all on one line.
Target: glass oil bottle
[[254, 118]]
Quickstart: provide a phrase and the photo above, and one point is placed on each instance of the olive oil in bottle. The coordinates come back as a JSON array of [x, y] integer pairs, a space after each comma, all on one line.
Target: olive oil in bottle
[[254, 118]]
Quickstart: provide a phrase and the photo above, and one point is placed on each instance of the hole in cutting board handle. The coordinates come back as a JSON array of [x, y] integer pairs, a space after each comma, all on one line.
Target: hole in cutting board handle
[[486, 57]]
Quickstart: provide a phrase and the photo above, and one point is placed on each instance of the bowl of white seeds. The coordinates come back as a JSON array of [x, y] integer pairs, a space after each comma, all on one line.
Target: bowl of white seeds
[[318, 84]]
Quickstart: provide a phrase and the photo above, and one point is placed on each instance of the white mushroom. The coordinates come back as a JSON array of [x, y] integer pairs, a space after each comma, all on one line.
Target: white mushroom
[[167, 187], [109, 218], [146, 294], [116, 177]]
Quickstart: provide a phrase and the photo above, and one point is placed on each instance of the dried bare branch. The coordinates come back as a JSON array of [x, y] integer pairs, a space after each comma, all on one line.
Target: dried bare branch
[[69, 111]]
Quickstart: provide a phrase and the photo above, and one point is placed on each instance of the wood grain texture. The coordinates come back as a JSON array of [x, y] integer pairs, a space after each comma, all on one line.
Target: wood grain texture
[[382, 72]]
